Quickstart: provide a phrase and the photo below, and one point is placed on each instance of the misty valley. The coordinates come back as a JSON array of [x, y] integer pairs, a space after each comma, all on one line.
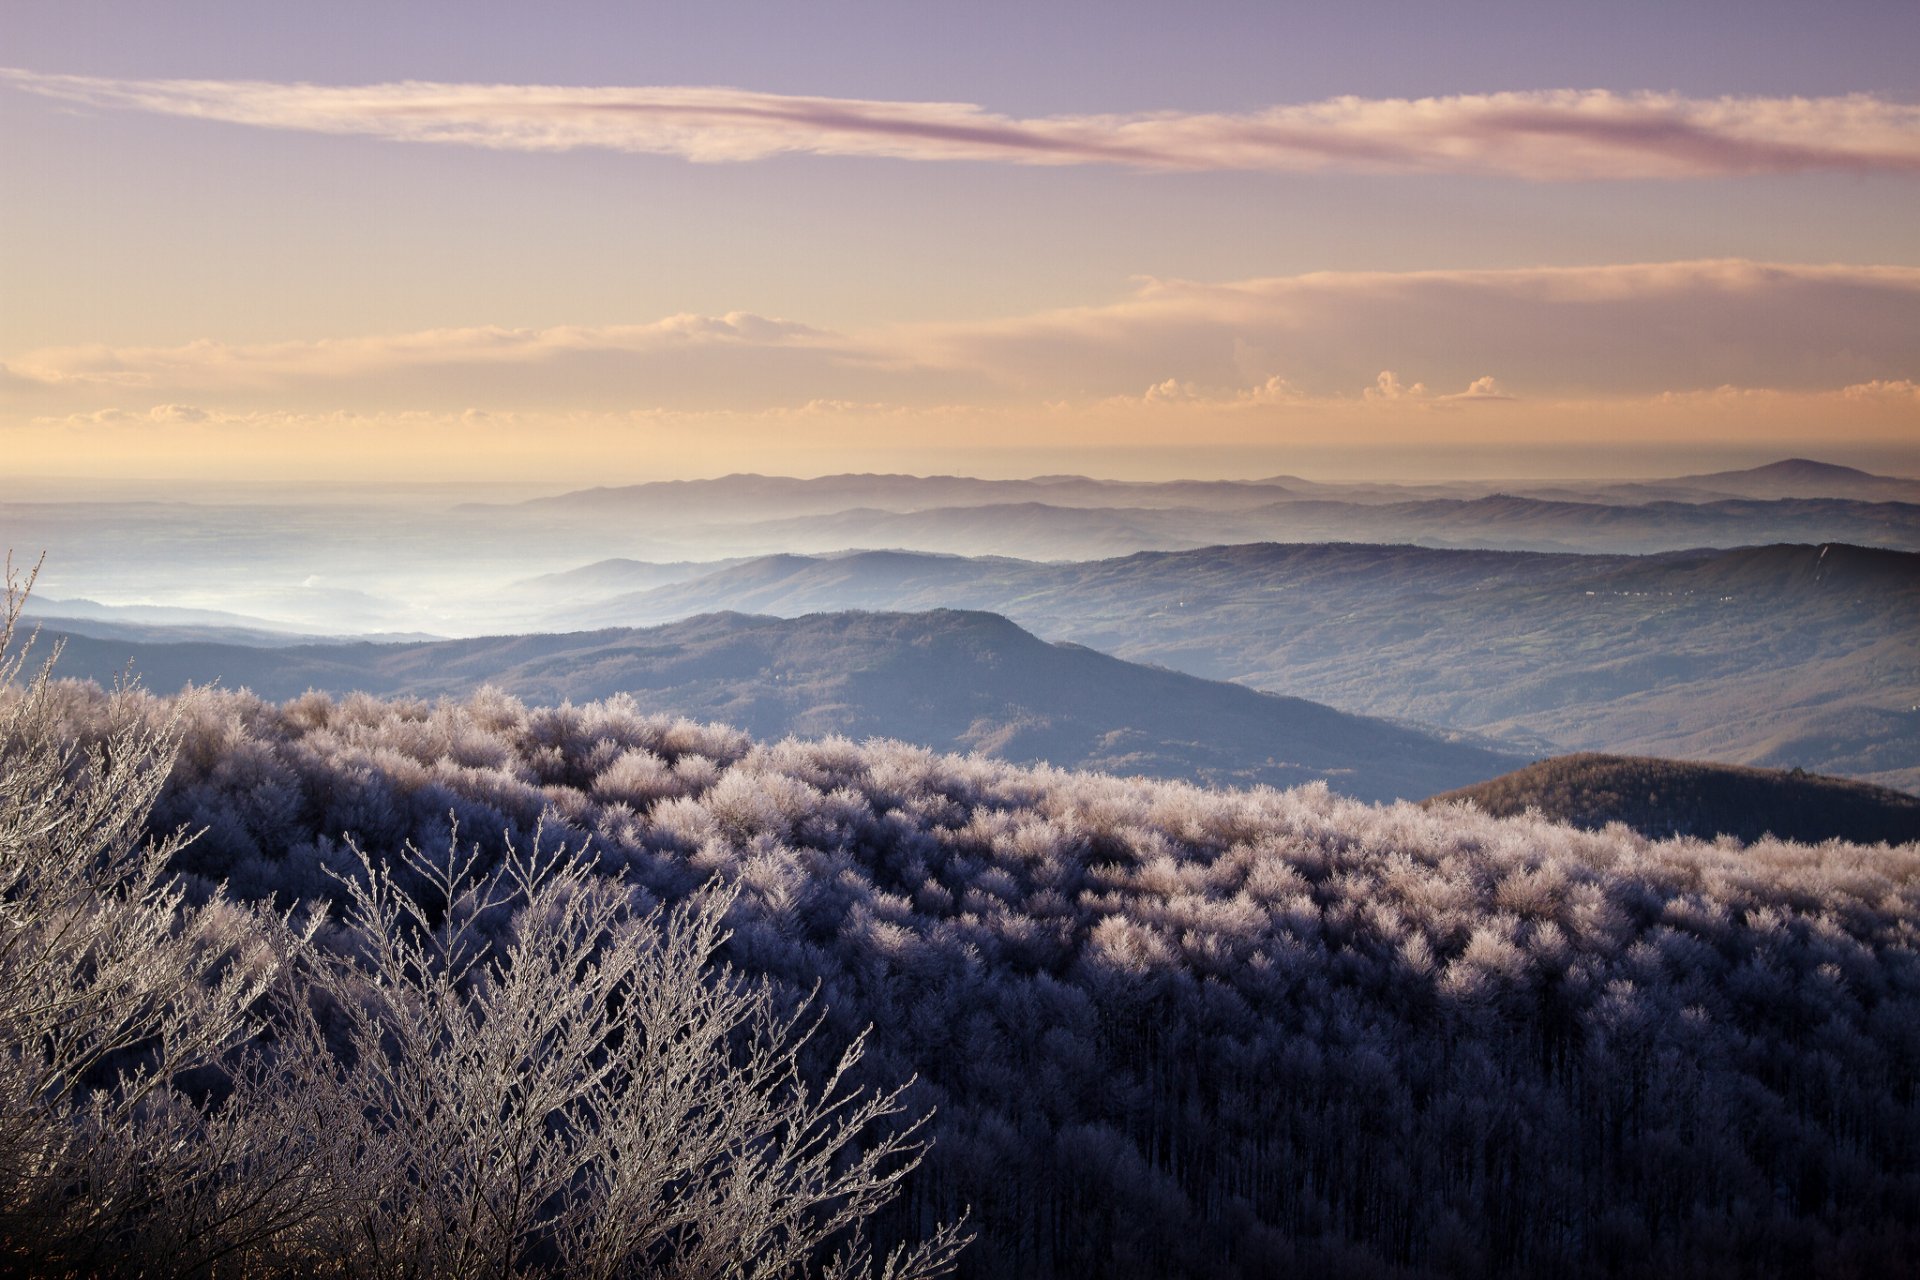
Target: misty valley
[[1791, 640]]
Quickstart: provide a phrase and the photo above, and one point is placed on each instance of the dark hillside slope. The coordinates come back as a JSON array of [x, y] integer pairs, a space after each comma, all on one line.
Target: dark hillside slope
[[1662, 798], [952, 680]]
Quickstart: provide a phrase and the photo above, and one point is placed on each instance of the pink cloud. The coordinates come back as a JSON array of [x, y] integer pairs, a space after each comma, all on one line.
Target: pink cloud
[[1485, 387], [1554, 135], [1885, 389], [1629, 329], [1553, 333], [1388, 387], [209, 362]]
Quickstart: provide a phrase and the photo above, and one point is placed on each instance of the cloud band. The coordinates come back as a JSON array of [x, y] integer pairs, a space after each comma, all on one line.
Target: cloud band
[[1559, 135], [1631, 329]]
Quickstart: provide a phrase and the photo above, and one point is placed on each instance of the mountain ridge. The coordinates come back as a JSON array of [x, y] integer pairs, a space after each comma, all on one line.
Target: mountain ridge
[[1787, 654], [951, 679]]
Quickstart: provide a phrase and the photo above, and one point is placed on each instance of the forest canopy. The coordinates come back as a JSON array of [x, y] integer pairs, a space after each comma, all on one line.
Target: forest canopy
[[1166, 1030]]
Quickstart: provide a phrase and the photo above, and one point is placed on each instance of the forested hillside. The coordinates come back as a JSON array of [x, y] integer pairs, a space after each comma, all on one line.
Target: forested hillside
[[1683, 798], [1179, 1032]]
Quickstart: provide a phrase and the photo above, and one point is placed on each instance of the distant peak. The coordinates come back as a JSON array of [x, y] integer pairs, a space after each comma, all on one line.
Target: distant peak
[[1809, 466]]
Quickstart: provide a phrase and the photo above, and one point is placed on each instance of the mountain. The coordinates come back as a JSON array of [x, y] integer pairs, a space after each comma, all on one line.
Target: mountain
[[1662, 798], [156, 622], [617, 574], [1034, 530], [750, 497], [742, 497], [1037, 530], [1801, 478], [1073, 517], [953, 680], [1775, 655], [163, 624]]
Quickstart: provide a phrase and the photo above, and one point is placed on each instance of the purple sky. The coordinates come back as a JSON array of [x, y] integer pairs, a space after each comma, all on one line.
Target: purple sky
[[1022, 57]]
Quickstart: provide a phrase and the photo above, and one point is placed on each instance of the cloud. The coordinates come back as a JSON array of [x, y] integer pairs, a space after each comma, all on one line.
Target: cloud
[[1630, 329], [476, 345], [1884, 389], [12, 381], [1273, 391], [1485, 387], [1553, 135], [426, 365], [1388, 387], [1172, 391], [177, 413], [165, 415], [1553, 333]]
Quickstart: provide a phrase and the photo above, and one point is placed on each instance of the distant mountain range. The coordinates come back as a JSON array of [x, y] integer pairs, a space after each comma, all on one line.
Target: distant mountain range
[[1036, 529], [1801, 478], [756, 497], [748, 497], [382, 562], [1661, 798], [952, 680], [1498, 521], [1073, 517], [1776, 655]]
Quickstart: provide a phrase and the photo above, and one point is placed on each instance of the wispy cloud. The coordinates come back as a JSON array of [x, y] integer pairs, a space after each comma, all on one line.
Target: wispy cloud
[[1553, 135], [1627, 329], [213, 363], [1592, 332]]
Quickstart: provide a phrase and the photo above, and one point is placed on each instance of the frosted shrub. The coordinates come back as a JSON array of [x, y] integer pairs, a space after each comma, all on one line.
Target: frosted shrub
[[545, 1078], [111, 987]]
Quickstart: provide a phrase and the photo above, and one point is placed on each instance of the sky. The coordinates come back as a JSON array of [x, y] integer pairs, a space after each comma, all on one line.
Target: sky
[[616, 242]]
